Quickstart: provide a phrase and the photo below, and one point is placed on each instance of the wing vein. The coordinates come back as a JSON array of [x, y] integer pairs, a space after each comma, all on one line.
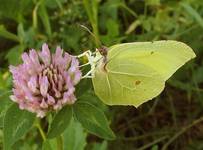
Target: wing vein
[[109, 86], [129, 74], [132, 89]]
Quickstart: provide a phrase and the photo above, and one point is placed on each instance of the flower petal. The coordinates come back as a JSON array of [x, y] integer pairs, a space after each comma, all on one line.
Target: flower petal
[[45, 55], [44, 85], [32, 84]]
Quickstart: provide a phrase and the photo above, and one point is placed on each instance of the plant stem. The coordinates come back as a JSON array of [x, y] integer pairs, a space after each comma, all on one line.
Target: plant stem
[[59, 140], [141, 137], [183, 130], [152, 143], [91, 8], [41, 131]]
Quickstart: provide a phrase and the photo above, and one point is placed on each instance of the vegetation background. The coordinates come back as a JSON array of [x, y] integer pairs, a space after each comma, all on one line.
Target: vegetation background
[[171, 121]]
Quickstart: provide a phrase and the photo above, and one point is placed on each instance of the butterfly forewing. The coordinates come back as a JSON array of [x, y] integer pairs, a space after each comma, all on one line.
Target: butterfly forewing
[[166, 57]]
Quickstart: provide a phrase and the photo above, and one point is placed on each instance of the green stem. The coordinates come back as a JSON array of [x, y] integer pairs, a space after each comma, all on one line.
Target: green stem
[[128, 9], [91, 8], [96, 33], [41, 131], [59, 140], [34, 16]]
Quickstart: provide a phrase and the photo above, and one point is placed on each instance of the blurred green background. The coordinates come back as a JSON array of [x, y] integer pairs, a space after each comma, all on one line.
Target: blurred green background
[[171, 121]]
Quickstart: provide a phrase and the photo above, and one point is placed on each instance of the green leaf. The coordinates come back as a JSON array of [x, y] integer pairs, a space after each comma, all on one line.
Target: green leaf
[[91, 98], [15, 9], [153, 2], [112, 28], [49, 145], [21, 32], [14, 54], [112, 32], [16, 123], [91, 8], [45, 18], [83, 87], [72, 41], [5, 102], [193, 13], [60, 122], [8, 35], [100, 146], [55, 3], [23, 144], [46, 146], [93, 120], [74, 136]]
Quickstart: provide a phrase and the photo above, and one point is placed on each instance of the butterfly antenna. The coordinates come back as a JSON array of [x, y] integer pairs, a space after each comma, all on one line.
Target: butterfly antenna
[[92, 34]]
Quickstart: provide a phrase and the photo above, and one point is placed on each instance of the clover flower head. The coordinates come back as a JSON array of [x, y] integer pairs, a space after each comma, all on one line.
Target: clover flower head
[[45, 81]]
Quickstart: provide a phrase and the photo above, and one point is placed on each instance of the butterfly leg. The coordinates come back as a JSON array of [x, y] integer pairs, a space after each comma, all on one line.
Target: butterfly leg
[[92, 61], [89, 74], [88, 77], [84, 65], [87, 53]]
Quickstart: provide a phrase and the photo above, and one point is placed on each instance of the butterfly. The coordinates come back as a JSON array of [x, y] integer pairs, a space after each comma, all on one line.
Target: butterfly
[[134, 73]]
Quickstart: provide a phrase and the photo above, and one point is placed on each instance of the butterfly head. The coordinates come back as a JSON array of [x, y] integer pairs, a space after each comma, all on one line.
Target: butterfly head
[[103, 50]]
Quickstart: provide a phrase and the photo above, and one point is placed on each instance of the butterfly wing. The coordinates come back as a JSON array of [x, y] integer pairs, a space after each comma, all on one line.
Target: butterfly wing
[[166, 57], [136, 72], [126, 83]]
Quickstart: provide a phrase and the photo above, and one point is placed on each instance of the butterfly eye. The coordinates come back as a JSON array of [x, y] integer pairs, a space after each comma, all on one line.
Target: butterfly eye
[[103, 50]]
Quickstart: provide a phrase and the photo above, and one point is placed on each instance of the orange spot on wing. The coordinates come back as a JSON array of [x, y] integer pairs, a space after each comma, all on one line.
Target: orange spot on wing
[[137, 82]]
